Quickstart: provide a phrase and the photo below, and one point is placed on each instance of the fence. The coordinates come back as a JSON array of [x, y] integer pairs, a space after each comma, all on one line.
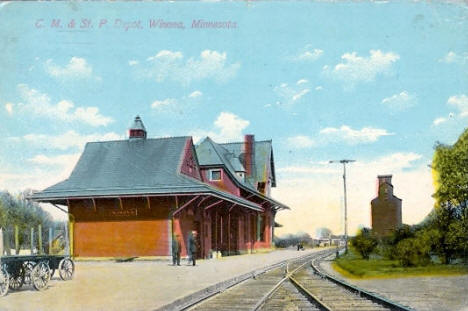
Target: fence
[[20, 240]]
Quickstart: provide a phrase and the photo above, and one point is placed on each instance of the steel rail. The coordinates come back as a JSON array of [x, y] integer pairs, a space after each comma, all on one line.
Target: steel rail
[[359, 291], [192, 300], [288, 274]]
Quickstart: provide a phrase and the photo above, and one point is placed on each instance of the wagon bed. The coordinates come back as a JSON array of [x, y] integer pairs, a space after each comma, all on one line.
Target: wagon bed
[[18, 270]]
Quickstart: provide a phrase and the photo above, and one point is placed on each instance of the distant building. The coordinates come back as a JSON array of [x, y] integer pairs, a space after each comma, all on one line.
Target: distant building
[[385, 208]]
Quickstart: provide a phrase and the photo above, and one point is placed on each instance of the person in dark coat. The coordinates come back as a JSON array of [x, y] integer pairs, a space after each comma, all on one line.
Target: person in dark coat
[[192, 247], [176, 247]]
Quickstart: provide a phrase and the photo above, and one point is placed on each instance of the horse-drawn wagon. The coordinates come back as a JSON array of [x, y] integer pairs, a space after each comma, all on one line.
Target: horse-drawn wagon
[[36, 270]]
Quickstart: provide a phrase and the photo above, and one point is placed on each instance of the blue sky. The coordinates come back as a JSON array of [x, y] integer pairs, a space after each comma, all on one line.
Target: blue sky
[[372, 81]]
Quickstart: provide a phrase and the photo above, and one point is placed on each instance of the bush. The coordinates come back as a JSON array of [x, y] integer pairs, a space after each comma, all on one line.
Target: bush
[[364, 242], [415, 251]]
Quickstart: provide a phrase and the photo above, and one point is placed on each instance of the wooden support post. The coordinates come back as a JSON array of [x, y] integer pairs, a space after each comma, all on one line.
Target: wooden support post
[[67, 244], [51, 237], [39, 238], [216, 230], [94, 204], [120, 203], [148, 202], [229, 233], [1, 241], [71, 222], [32, 240], [17, 246]]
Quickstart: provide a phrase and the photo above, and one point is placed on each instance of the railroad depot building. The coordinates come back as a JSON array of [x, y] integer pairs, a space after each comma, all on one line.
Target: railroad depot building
[[385, 208], [130, 197]]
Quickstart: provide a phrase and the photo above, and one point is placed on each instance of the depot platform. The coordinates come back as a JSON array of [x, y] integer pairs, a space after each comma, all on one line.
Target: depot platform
[[138, 285]]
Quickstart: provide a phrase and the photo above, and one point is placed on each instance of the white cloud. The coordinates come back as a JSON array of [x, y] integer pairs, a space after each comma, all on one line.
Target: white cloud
[[302, 81], [319, 88], [9, 108], [77, 67], [356, 68], [228, 127], [133, 62], [351, 136], [69, 139], [453, 57], [291, 94], [159, 104], [461, 103], [39, 104], [318, 190], [300, 142], [62, 159], [300, 94], [439, 121], [400, 101], [195, 94], [172, 65], [308, 54]]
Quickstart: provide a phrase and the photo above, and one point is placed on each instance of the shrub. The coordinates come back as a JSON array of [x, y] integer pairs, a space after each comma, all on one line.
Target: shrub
[[364, 242]]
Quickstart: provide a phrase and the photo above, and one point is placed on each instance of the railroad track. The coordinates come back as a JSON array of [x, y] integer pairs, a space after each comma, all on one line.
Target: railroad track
[[298, 284]]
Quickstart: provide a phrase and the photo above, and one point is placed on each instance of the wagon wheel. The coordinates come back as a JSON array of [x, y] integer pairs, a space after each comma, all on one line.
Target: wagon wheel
[[66, 269], [52, 271], [16, 281], [4, 281], [28, 268], [40, 276]]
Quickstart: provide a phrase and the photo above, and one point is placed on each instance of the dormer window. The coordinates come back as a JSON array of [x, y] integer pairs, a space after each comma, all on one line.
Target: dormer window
[[241, 175], [215, 175]]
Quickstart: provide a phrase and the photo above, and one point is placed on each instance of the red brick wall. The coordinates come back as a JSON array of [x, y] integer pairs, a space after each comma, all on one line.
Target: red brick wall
[[121, 238], [134, 229]]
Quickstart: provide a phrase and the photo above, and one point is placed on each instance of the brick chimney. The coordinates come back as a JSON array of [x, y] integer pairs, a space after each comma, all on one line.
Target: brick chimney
[[249, 155], [137, 130]]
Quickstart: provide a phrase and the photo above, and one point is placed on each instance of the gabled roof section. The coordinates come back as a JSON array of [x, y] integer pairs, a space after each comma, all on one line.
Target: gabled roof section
[[263, 158], [126, 164], [208, 154], [212, 154]]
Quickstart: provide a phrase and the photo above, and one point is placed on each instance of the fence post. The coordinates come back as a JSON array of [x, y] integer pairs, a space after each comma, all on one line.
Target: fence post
[[39, 238], [1, 241], [17, 246], [50, 239], [32, 240]]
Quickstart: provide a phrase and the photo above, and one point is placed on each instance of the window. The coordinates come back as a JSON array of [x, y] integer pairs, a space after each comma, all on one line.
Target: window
[[215, 175]]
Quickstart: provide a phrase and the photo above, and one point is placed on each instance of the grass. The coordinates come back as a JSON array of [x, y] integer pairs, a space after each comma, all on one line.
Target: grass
[[353, 266]]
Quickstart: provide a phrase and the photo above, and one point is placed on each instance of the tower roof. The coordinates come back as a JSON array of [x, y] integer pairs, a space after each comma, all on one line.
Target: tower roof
[[138, 124]]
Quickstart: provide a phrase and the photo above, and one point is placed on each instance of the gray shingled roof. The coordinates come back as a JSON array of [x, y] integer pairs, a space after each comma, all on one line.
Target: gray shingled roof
[[213, 154], [263, 157], [131, 167]]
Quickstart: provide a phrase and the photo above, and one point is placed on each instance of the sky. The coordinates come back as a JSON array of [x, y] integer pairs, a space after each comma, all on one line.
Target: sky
[[377, 82]]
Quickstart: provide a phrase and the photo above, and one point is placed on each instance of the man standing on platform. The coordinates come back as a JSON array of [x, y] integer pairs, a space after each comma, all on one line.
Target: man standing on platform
[[192, 247], [176, 247]]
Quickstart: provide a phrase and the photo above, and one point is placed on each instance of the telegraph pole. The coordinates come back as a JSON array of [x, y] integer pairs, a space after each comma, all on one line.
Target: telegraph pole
[[344, 162]]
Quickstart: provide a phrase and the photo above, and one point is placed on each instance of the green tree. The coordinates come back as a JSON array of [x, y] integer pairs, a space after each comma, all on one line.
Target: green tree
[[364, 242], [450, 217]]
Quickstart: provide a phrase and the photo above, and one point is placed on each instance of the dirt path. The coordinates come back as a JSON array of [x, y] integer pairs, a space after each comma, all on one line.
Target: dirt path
[[441, 293]]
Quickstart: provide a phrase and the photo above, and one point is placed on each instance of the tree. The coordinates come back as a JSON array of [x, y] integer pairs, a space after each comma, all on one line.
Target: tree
[[450, 217], [23, 214], [364, 242], [323, 233]]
